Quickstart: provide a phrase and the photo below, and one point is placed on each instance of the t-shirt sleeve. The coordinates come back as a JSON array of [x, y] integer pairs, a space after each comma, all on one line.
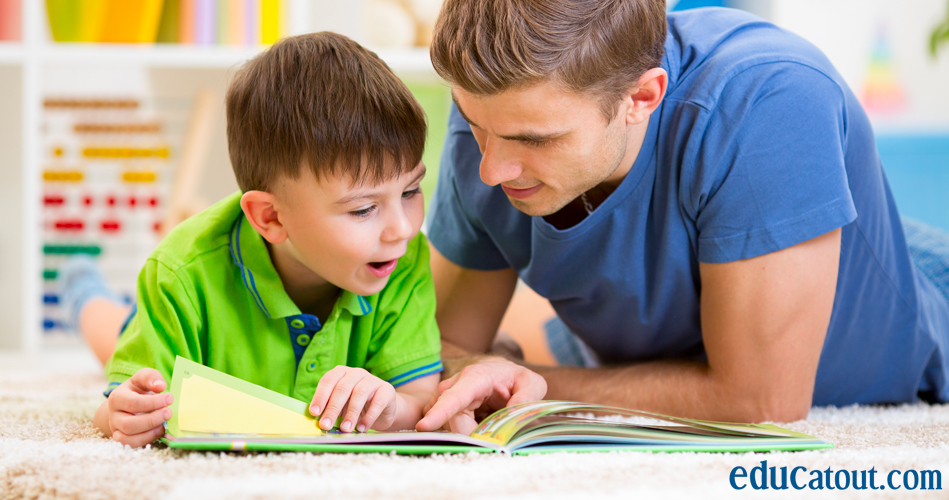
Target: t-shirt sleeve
[[452, 228], [771, 173], [165, 325], [405, 343]]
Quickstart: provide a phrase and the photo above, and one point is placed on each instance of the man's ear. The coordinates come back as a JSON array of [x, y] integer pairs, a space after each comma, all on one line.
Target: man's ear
[[646, 95], [261, 212]]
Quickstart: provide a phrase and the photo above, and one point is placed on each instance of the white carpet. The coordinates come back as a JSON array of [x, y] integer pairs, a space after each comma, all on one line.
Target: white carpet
[[49, 449]]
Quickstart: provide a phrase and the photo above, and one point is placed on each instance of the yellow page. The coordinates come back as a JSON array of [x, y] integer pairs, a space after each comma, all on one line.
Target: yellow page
[[207, 406]]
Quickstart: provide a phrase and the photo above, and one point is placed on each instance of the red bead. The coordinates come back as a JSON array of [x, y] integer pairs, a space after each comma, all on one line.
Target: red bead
[[53, 200]]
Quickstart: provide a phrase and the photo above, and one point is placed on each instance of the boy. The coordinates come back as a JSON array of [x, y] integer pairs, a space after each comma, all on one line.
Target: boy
[[314, 280]]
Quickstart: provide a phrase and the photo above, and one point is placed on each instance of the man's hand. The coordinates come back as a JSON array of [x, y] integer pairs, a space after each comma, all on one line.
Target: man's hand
[[135, 412], [350, 389], [486, 386]]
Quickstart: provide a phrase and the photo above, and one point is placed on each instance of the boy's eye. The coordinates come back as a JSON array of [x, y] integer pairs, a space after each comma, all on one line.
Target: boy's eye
[[363, 212], [537, 144], [411, 193]]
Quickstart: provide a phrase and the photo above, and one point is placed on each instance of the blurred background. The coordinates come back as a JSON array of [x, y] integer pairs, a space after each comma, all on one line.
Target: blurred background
[[112, 120]]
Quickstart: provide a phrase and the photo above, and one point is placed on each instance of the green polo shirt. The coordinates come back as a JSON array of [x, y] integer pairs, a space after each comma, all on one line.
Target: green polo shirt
[[210, 293]]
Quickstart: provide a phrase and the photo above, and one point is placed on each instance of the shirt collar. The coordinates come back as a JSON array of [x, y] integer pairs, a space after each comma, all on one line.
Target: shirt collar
[[249, 253]]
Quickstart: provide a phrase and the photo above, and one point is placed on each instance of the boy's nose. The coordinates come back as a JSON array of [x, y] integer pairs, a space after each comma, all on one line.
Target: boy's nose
[[399, 227]]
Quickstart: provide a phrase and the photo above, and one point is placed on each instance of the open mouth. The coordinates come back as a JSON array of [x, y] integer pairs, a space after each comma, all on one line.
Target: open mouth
[[382, 269]]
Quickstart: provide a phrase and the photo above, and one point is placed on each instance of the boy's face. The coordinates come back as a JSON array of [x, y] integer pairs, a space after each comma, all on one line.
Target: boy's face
[[350, 235]]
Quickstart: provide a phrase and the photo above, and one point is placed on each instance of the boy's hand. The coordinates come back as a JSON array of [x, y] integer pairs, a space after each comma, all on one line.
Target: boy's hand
[[136, 413], [351, 389]]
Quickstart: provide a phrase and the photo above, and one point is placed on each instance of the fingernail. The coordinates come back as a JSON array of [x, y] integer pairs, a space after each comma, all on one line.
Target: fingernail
[[361, 428], [168, 399], [347, 426], [326, 424], [166, 414], [314, 410]]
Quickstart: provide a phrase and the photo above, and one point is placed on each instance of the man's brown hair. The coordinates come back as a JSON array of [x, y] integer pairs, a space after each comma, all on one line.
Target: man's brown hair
[[323, 102], [594, 47]]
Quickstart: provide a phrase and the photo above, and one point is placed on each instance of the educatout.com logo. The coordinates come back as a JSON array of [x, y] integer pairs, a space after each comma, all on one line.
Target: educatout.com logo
[[762, 477]]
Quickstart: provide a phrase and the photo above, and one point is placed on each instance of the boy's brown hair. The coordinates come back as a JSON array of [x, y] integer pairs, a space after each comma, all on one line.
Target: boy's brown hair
[[322, 101], [595, 47]]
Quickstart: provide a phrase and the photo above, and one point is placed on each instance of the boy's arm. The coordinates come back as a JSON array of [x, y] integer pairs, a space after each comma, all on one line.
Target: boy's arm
[[133, 414], [164, 325], [411, 398]]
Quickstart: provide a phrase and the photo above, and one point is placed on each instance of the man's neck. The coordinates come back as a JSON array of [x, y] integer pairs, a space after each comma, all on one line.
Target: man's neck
[[575, 211], [311, 293]]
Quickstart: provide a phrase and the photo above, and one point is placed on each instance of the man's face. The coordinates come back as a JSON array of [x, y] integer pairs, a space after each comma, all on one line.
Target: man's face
[[545, 146], [351, 236]]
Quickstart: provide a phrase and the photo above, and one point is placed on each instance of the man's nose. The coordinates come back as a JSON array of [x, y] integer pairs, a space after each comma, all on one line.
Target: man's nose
[[498, 164]]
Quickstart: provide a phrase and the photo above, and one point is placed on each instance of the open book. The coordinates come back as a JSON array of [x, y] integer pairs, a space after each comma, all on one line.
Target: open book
[[215, 411]]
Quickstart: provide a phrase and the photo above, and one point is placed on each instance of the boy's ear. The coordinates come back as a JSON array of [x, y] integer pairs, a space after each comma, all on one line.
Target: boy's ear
[[261, 212]]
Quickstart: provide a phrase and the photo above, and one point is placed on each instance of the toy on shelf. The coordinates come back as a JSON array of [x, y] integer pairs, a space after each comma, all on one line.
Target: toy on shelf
[[113, 179], [107, 168]]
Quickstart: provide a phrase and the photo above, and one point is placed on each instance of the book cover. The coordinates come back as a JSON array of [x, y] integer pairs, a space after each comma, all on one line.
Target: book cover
[[186, 12], [269, 21], [215, 411], [205, 22], [168, 26]]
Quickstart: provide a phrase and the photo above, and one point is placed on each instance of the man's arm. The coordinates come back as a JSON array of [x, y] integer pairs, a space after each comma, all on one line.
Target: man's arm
[[763, 325], [471, 305]]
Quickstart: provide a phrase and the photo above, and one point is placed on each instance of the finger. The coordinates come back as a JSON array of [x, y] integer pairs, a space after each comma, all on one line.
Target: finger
[[147, 380], [141, 439], [443, 386], [528, 386], [340, 397], [132, 402], [385, 396], [363, 391], [466, 392], [462, 423], [325, 388], [130, 424]]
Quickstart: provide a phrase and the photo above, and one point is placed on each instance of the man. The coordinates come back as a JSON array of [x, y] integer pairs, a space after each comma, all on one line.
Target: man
[[700, 200]]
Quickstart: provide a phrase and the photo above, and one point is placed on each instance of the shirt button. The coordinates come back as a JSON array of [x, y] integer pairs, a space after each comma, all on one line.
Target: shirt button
[[297, 323], [303, 339], [311, 367]]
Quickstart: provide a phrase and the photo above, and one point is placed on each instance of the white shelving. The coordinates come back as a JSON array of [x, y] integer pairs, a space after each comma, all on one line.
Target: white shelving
[[28, 67], [411, 61], [11, 53]]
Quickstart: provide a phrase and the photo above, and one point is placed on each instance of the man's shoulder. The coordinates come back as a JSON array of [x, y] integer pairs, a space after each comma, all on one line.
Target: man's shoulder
[[202, 238], [708, 48]]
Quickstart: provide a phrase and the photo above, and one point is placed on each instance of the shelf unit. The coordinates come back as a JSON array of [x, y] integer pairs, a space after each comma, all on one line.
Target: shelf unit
[[25, 65]]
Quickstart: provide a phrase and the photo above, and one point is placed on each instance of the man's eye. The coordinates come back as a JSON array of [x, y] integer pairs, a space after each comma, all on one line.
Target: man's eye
[[363, 212], [537, 144], [411, 193]]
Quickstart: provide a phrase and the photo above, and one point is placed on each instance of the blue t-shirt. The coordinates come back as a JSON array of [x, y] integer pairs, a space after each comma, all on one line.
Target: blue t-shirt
[[758, 145]]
